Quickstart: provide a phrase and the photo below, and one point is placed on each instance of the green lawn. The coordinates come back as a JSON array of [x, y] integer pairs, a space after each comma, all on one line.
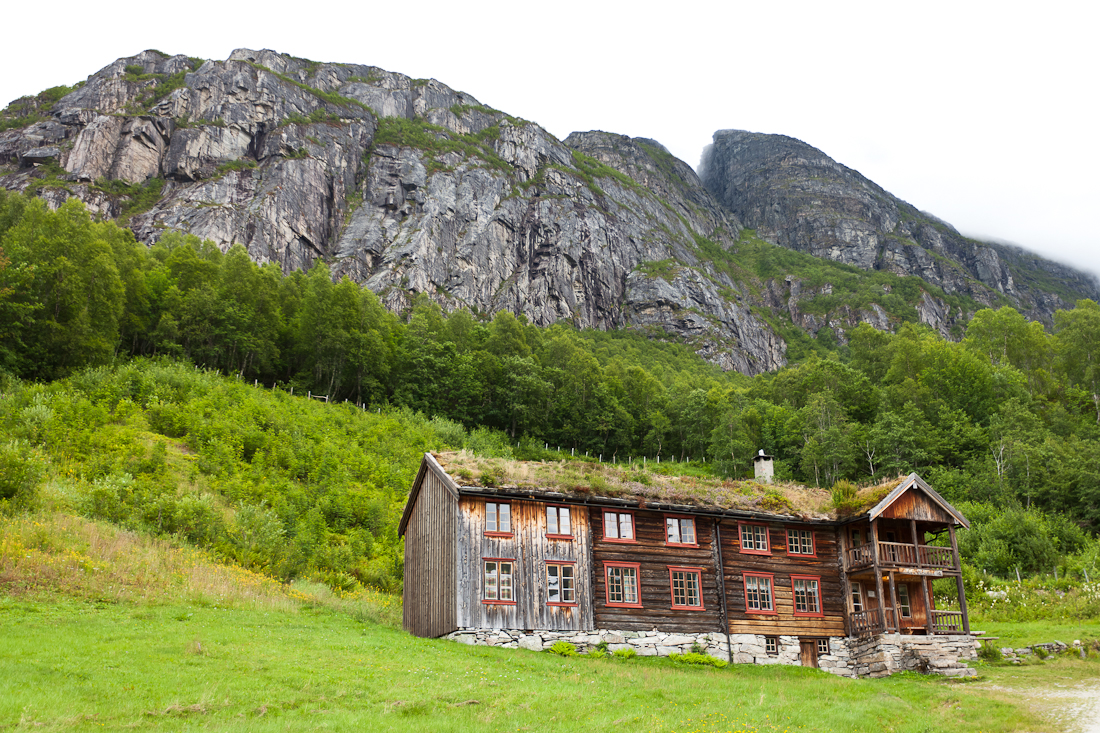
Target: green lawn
[[67, 664]]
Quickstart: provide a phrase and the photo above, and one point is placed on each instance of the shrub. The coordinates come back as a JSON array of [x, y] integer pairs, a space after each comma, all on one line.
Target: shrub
[[624, 653], [844, 497], [989, 652], [563, 649], [703, 660]]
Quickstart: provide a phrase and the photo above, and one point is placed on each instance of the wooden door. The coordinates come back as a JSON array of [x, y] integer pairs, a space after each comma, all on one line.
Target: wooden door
[[808, 652]]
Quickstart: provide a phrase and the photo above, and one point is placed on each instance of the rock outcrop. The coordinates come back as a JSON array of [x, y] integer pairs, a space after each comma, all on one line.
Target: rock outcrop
[[412, 188], [795, 196]]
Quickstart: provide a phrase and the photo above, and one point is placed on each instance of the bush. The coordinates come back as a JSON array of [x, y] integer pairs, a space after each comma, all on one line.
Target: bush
[[704, 660], [20, 472], [989, 652], [624, 653]]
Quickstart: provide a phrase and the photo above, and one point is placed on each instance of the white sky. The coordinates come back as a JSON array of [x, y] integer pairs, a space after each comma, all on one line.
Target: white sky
[[984, 114]]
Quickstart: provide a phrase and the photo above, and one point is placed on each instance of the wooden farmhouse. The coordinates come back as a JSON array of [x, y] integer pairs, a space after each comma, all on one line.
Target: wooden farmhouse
[[530, 564]]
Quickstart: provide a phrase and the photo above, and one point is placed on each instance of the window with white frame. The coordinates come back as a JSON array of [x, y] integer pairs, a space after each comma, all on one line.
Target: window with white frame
[[497, 585], [807, 595], [754, 539], [618, 526], [560, 583], [498, 517], [800, 542], [822, 646], [758, 594], [685, 587], [557, 521], [903, 601], [771, 645], [622, 584], [857, 598], [680, 530]]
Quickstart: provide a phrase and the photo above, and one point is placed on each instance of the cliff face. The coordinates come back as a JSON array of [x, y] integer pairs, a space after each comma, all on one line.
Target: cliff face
[[401, 184], [410, 188], [795, 196]]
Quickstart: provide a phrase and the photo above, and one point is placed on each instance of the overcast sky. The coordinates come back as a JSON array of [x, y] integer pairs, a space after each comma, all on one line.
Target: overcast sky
[[984, 114]]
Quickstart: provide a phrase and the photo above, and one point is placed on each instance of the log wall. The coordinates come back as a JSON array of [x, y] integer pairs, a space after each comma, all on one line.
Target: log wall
[[654, 557], [530, 550], [825, 565], [428, 606]]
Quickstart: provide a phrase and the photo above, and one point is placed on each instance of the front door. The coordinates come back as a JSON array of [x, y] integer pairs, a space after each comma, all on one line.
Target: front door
[[808, 652]]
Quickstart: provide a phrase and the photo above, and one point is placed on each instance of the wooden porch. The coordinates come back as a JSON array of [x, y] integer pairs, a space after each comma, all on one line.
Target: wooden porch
[[873, 621]]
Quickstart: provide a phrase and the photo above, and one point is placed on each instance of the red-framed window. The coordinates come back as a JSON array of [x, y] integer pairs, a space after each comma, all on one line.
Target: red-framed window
[[558, 525], [807, 595], [622, 584], [687, 588], [801, 542], [496, 584], [498, 519], [561, 583], [618, 526], [680, 531], [759, 593], [754, 538]]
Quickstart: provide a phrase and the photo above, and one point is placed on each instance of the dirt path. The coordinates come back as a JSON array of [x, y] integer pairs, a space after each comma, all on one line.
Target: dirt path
[[1073, 705]]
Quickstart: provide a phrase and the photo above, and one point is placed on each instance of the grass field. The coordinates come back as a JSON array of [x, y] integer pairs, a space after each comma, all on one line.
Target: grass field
[[103, 629]]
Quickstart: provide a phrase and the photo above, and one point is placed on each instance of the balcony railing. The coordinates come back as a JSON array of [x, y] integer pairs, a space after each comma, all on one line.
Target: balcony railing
[[901, 554], [947, 622], [867, 623]]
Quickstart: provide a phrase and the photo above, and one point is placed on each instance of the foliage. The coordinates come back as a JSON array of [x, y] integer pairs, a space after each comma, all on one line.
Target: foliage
[[438, 141], [704, 660], [988, 652], [563, 649], [624, 654]]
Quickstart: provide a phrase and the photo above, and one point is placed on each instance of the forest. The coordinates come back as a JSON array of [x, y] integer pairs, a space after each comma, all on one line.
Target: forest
[[130, 389]]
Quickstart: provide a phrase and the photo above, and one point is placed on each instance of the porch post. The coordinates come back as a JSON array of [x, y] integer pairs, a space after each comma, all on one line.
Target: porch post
[[916, 543], [959, 578], [878, 573], [894, 603], [842, 543], [924, 582]]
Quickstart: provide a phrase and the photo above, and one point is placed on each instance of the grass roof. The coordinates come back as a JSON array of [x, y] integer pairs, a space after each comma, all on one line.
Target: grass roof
[[585, 480]]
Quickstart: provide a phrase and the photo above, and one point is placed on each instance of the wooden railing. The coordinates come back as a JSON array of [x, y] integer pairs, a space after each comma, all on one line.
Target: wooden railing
[[947, 622], [867, 623], [901, 554]]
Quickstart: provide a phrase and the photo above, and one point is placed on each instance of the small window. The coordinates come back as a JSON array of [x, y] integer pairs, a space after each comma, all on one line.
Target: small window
[[822, 646], [857, 598], [497, 586], [557, 522], [618, 526], [758, 594], [685, 588], [771, 645], [561, 588], [903, 602], [754, 539], [800, 542], [680, 531], [622, 584], [807, 596], [498, 518], [857, 538]]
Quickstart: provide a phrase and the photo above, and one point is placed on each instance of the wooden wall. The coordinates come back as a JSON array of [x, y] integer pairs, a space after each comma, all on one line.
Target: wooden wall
[[530, 550], [783, 566], [915, 504], [430, 561], [654, 557]]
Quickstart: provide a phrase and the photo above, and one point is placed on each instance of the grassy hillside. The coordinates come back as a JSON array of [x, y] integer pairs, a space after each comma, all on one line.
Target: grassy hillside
[[102, 628]]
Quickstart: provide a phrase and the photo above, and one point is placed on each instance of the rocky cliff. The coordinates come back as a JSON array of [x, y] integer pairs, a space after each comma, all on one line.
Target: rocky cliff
[[410, 188], [795, 196]]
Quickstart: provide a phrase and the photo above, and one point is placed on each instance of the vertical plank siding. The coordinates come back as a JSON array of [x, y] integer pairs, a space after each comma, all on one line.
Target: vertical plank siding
[[782, 565], [428, 606], [654, 557], [530, 550]]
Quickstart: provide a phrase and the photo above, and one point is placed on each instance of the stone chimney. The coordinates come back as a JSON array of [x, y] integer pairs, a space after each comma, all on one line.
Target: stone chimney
[[765, 470]]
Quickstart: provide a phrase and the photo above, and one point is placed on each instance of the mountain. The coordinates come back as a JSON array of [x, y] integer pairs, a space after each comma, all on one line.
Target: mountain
[[414, 189]]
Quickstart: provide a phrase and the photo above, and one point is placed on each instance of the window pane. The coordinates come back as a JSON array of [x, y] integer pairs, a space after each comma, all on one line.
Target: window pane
[[567, 592], [551, 520], [672, 529], [491, 517], [766, 594], [687, 531], [553, 591], [903, 601], [614, 585], [746, 538], [626, 527], [563, 520], [692, 589], [491, 581], [505, 518], [857, 598], [630, 585], [506, 581], [610, 526]]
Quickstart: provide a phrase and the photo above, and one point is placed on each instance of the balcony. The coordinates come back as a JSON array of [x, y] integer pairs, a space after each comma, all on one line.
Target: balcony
[[900, 555]]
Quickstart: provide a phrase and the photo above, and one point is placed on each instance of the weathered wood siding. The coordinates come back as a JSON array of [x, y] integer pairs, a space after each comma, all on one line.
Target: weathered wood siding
[[655, 557], [530, 549], [430, 562], [782, 566], [915, 504]]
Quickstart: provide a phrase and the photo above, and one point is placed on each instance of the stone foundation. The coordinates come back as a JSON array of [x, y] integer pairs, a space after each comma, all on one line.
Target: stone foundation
[[877, 656]]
